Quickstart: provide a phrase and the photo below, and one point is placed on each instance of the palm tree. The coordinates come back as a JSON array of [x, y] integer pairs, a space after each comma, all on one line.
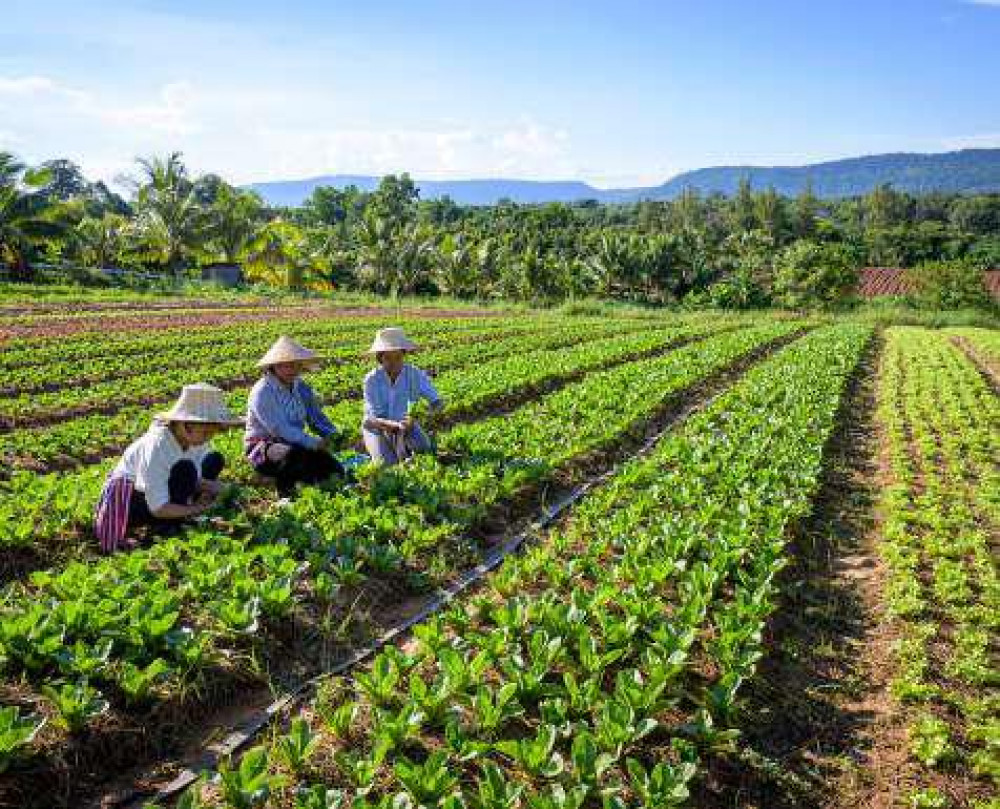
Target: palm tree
[[232, 221], [27, 217], [280, 254], [170, 217], [454, 271], [376, 259], [101, 241]]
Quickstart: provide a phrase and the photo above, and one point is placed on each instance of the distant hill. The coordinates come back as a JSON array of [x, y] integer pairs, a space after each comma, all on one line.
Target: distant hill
[[965, 171]]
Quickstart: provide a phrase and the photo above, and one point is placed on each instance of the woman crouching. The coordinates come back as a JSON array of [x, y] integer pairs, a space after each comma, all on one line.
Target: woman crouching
[[168, 475], [280, 408], [391, 435]]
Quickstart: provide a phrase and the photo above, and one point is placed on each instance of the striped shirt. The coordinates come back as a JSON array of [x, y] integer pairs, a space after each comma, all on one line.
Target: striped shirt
[[275, 412], [148, 461], [385, 399]]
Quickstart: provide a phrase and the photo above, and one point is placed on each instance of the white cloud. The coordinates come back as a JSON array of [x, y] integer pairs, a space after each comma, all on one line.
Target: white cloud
[[993, 3], [261, 134]]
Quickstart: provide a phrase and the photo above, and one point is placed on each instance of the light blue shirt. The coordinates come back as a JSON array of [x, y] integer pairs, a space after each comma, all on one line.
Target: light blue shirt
[[275, 412], [385, 399]]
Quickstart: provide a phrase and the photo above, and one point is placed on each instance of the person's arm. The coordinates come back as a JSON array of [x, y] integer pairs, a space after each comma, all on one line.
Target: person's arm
[[175, 511], [268, 411], [314, 413], [427, 390]]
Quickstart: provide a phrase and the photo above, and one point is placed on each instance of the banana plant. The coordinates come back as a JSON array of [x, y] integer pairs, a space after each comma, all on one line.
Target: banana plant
[[16, 731], [360, 769], [319, 796], [393, 730], [558, 798], [239, 616], [83, 660], [582, 695], [435, 701], [339, 719]]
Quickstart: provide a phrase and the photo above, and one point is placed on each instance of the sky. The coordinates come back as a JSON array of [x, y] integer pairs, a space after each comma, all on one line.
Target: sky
[[618, 93]]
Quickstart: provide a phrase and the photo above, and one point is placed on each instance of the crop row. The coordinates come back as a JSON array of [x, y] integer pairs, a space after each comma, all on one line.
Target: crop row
[[599, 668], [128, 359], [227, 365], [139, 628], [942, 523], [59, 504], [103, 431]]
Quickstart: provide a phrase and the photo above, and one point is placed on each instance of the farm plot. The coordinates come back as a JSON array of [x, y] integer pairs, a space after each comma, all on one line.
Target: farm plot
[[940, 541], [88, 432], [62, 502], [601, 666], [152, 635]]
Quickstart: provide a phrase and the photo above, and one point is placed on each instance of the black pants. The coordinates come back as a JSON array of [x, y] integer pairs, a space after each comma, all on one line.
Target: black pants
[[301, 465], [182, 486]]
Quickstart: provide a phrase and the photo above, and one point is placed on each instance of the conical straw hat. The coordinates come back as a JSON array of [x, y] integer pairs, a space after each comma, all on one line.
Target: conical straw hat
[[202, 403], [285, 349], [392, 339]]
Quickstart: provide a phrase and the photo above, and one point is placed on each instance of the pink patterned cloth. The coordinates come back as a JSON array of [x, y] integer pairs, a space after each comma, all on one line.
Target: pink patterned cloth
[[111, 514]]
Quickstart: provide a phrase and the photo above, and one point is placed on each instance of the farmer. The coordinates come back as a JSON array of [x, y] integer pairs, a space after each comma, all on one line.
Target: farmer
[[169, 474], [391, 435], [280, 408]]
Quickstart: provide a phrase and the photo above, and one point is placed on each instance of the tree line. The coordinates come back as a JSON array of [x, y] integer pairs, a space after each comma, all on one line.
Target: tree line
[[755, 248]]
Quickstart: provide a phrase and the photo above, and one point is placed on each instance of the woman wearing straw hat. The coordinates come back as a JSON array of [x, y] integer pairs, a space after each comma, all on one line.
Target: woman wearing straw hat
[[280, 408], [391, 435], [169, 474]]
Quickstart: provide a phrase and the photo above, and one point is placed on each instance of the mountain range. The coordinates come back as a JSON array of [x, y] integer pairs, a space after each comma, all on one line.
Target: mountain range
[[964, 171]]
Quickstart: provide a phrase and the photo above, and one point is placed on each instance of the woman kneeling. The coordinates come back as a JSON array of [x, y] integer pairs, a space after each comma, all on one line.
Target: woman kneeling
[[170, 474], [391, 435], [280, 407]]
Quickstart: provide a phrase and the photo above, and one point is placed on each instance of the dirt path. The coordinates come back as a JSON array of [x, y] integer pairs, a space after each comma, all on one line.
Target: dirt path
[[817, 723]]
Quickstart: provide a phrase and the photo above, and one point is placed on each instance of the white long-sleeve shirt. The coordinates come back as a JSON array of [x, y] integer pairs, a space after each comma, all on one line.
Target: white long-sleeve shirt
[[385, 399]]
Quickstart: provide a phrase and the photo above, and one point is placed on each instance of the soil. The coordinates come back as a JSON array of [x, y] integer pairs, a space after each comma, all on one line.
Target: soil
[[123, 322]]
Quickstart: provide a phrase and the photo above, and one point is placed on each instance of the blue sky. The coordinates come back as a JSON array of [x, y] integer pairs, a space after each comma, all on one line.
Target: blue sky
[[616, 93]]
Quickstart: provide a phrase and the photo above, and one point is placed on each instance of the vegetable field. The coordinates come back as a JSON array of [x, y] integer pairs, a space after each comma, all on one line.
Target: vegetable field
[[602, 569]]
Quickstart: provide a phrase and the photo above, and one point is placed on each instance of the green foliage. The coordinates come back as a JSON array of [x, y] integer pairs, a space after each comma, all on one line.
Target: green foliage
[[949, 284], [16, 731], [809, 273]]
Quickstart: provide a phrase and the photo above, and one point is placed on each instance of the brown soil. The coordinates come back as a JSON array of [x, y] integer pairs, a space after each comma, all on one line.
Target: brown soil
[[61, 327]]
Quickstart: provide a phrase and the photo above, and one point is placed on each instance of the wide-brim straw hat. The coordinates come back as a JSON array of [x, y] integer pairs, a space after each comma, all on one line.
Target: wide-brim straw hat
[[392, 339], [285, 349], [201, 403]]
